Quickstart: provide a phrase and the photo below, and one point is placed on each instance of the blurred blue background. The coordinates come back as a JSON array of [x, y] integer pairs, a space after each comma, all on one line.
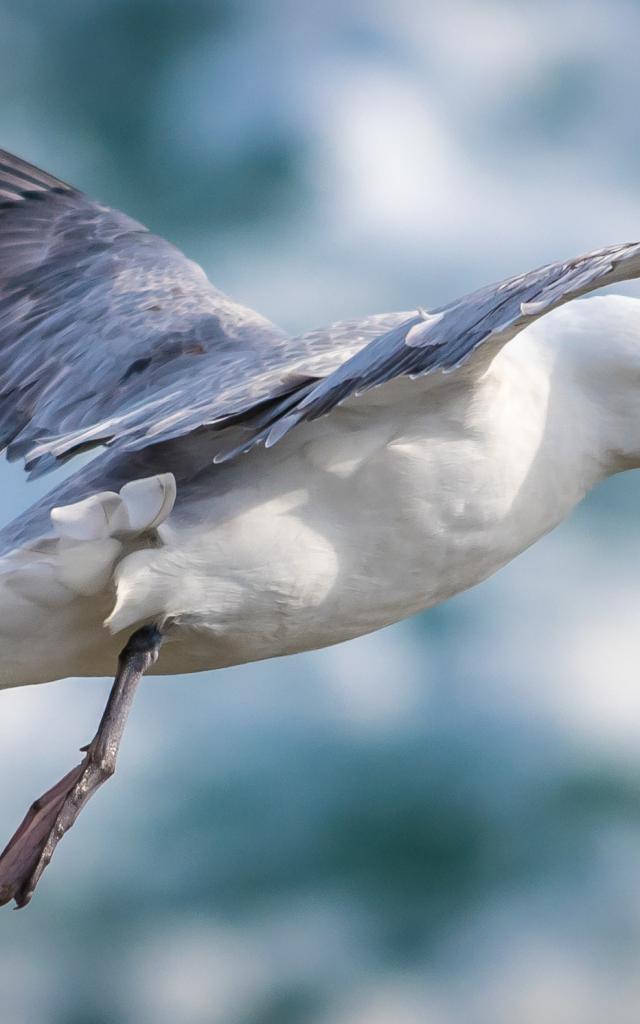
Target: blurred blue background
[[440, 823]]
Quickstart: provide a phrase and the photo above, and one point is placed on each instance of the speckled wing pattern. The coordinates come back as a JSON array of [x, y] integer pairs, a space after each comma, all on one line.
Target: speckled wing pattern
[[110, 335]]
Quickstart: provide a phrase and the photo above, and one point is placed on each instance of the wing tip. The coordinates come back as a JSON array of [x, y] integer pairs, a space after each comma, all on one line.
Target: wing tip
[[19, 174]]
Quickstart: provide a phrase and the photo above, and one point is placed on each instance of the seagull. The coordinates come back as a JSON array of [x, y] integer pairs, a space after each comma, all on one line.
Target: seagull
[[254, 494]]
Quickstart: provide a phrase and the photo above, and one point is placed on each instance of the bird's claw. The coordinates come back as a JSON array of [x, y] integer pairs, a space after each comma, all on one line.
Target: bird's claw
[[31, 847]]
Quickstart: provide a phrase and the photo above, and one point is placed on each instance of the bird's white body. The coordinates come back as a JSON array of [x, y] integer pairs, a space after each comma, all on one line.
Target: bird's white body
[[392, 503], [265, 494]]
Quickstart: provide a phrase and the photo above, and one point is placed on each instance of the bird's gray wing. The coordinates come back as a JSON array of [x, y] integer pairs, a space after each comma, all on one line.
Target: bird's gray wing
[[304, 378], [445, 338], [110, 335], [103, 324]]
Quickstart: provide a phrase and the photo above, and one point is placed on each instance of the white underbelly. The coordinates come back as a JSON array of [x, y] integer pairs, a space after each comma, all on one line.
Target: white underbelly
[[338, 536], [350, 524]]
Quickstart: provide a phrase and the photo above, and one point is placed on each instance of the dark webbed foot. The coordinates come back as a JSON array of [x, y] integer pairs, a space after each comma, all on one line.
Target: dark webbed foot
[[30, 849]]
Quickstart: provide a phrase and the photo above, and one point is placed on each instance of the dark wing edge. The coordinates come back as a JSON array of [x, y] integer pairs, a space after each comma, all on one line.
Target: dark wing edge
[[447, 338], [19, 180]]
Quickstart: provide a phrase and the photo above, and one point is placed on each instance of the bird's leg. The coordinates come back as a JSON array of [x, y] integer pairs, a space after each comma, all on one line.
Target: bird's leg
[[30, 849]]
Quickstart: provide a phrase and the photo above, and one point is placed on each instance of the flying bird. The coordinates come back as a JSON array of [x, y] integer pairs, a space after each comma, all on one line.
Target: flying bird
[[256, 494]]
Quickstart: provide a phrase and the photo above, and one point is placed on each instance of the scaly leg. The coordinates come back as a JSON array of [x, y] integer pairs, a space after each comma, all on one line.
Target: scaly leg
[[30, 849]]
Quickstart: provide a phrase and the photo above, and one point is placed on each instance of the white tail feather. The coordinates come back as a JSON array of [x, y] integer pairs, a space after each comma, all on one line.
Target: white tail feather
[[141, 505]]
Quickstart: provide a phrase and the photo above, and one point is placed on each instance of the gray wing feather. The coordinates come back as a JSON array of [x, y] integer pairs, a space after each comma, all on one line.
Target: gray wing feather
[[110, 335], [103, 324], [447, 337]]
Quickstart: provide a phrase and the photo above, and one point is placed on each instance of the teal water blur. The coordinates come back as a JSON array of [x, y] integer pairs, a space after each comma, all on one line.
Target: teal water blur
[[440, 823]]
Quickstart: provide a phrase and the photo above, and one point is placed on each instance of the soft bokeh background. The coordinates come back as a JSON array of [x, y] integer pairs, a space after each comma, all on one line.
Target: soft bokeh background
[[438, 824]]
